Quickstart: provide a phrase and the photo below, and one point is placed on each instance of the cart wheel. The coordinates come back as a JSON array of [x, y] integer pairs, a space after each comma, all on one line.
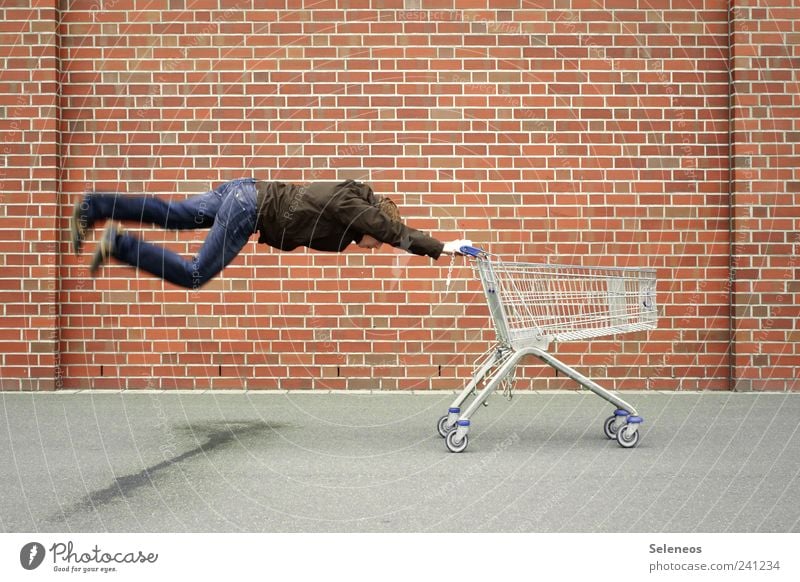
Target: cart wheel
[[453, 445], [442, 427], [626, 438], [610, 427]]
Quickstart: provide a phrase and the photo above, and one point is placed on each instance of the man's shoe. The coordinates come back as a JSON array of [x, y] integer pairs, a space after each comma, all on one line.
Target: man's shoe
[[105, 247], [78, 224]]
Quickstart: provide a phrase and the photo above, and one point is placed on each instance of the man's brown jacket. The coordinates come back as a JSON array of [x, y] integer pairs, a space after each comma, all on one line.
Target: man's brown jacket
[[328, 216]]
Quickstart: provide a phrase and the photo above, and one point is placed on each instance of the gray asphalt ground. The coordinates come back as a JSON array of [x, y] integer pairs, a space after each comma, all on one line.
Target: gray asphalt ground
[[297, 462]]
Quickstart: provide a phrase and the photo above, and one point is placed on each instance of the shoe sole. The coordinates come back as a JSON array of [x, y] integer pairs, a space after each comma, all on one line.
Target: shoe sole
[[97, 260], [74, 227], [105, 248]]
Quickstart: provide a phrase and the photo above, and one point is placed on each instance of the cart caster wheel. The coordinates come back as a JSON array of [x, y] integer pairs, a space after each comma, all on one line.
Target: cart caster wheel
[[610, 427], [442, 427], [612, 423], [453, 445], [626, 437]]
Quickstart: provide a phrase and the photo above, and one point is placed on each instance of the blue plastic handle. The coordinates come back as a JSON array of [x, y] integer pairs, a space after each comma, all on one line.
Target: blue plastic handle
[[471, 251]]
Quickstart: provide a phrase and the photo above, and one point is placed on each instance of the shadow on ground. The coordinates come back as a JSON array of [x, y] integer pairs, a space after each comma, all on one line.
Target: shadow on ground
[[215, 436]]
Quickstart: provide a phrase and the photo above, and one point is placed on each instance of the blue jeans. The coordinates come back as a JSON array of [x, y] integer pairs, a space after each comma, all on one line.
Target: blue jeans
[[229, 211]]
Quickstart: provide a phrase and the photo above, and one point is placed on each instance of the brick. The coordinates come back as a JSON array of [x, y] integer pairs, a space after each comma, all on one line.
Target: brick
[[546, 138]]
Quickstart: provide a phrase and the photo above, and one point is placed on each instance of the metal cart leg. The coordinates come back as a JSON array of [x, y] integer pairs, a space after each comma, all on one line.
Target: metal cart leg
[[457, 440], [581, 379], [623, 425], [507, 366], [448, 422]]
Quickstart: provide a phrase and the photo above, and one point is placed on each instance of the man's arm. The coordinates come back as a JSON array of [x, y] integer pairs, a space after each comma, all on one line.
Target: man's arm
[[360, 215]]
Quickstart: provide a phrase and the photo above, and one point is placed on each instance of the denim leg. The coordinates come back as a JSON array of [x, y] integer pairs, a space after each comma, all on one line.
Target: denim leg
[[195, 212], [234, 224]]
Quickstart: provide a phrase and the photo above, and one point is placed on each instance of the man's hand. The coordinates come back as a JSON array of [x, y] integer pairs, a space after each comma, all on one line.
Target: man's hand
[[453, 248]]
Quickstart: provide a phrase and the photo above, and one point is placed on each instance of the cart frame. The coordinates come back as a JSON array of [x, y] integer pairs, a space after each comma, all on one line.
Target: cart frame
[[532, 305]]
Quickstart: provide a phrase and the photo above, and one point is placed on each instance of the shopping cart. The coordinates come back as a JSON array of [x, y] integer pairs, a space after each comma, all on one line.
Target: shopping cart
[[532, 305]]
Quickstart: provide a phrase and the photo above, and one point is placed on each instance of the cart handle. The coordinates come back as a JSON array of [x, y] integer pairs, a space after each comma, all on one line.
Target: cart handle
[[471, 251]]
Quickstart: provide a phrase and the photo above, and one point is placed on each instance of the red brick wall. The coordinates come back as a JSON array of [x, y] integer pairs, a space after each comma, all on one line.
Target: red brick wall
[[28, 195], [766, 193], [588, 132]]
